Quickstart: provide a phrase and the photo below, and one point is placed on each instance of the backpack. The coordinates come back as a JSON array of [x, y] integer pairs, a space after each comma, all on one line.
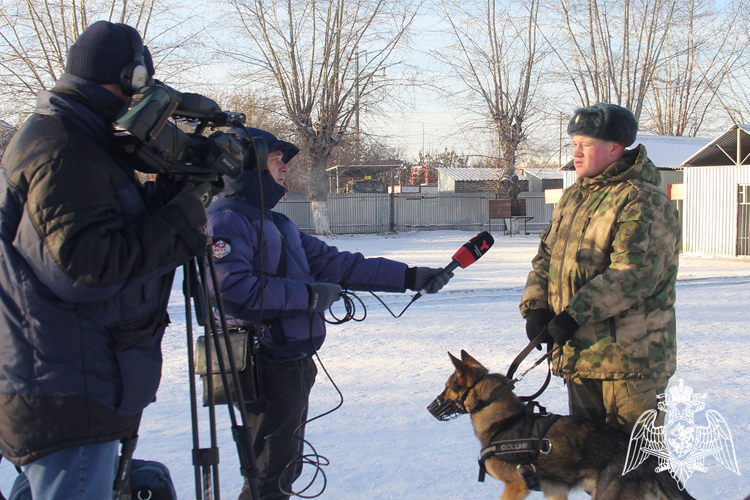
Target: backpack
[[150, 480]]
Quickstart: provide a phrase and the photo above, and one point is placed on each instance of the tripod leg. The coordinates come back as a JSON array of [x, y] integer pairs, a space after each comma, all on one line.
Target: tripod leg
[[241, 433], [205, 460]]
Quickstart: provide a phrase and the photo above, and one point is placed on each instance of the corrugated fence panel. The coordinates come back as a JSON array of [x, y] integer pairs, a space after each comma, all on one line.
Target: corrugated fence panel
[[710, 219], [712, 231], [353, 213], [296, 206], [357, 213], [466, 212], [537, 208]]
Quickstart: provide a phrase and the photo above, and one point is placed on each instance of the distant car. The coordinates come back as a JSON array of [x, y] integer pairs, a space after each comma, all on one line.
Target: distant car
[[365, 186]]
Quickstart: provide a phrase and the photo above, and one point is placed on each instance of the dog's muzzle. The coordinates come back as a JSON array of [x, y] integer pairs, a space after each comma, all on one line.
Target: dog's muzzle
[[446, 410]]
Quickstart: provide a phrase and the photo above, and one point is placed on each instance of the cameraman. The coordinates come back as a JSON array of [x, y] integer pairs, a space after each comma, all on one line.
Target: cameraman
[[87, 256], [302, 277]]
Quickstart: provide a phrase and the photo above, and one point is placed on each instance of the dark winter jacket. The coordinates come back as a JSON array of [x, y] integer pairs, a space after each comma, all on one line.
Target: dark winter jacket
[[86, 266], [309, 260]]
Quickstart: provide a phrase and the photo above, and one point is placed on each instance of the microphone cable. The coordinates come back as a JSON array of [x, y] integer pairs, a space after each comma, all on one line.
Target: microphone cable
[[350, 307], [466, 255], [413, 300], [314, 459]]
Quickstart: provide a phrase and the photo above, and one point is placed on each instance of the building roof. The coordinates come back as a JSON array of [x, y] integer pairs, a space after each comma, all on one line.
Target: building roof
[[360, 170], [665, 151], [544, 173], [730, 148], [474, 174]]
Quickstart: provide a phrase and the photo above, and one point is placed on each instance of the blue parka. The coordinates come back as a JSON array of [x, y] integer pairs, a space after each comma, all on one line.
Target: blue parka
[[285, 302], [86, 267]]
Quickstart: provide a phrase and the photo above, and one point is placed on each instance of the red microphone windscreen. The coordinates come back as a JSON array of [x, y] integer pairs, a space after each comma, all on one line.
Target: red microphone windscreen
[[473, 249], [464, 257]]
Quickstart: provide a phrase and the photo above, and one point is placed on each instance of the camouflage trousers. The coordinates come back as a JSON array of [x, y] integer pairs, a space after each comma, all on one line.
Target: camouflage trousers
[[617, 403]]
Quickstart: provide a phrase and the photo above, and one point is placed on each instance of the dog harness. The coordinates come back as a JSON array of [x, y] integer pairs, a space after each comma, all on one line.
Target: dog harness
[[520, 441]]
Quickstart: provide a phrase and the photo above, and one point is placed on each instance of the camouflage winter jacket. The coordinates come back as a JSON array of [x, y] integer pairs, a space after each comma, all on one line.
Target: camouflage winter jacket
[[610, 258]]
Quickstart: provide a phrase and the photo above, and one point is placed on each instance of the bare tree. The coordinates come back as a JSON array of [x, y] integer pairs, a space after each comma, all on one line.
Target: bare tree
[[700, 56], [35, 36], [497, 57], [614, 48], [259, 112], [449, 158], [734, 94], [326, 60]]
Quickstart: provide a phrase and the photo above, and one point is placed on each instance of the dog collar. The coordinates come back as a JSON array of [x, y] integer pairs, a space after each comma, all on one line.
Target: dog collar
[[496, 394]]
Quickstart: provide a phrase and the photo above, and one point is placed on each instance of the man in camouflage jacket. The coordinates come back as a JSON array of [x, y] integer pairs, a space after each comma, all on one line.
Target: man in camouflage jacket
[[603, 281]]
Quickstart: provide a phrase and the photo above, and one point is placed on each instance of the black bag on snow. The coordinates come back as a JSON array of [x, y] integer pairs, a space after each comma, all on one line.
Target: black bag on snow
[[150, 480]]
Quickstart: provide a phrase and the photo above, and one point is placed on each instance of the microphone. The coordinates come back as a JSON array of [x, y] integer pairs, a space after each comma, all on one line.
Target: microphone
[[470, 252]]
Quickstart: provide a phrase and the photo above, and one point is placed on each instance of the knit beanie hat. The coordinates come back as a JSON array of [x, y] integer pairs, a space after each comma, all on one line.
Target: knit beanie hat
[[608, 122], [288, 149], [100, 53]]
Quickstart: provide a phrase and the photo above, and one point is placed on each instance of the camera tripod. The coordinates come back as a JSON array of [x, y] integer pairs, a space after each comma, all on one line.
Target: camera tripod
[[206, 460]]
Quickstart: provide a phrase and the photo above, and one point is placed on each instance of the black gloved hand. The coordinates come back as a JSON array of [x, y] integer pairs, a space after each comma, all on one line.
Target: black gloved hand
[[562, 328], [187, 214], [536, 320], [322, 296], [190, 201], [417, 277]]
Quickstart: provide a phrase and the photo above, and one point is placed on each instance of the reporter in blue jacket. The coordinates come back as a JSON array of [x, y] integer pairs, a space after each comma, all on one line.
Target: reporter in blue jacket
[[302, 278]]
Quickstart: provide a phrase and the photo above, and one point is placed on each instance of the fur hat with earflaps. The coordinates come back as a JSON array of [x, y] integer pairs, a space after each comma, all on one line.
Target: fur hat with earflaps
[[608, 122]]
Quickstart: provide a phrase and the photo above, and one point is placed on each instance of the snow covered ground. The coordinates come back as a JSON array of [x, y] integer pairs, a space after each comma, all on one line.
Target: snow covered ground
[[383, 444]]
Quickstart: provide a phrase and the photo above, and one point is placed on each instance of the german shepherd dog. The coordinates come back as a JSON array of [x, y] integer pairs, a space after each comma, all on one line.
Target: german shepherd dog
[[584, 454]]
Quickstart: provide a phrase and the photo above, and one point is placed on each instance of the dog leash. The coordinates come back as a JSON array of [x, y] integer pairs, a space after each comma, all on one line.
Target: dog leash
[[501, 389], [523, 355]]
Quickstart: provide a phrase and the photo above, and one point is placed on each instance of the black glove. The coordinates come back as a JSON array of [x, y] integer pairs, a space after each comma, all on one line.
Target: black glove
[[193, 200], [562, 328], [187, 214], [536, 320], [417, 277], [322, 296]]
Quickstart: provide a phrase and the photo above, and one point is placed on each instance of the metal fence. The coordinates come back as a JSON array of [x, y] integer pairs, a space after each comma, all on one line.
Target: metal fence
[[358, 213]]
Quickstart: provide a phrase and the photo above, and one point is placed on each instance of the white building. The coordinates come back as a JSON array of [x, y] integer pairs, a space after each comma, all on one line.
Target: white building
[[666, 152], [717, 196], [541, 179], [472, 180]]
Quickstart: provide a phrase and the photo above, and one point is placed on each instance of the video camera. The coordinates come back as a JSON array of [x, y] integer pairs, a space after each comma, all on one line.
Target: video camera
[[144, 128]]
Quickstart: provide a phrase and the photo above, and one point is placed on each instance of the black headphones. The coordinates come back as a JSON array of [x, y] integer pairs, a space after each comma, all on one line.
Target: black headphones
[[134, 75]]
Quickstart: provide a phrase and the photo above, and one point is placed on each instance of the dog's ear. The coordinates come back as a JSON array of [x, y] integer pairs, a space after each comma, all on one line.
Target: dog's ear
[[461, 367], [466, 358]]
